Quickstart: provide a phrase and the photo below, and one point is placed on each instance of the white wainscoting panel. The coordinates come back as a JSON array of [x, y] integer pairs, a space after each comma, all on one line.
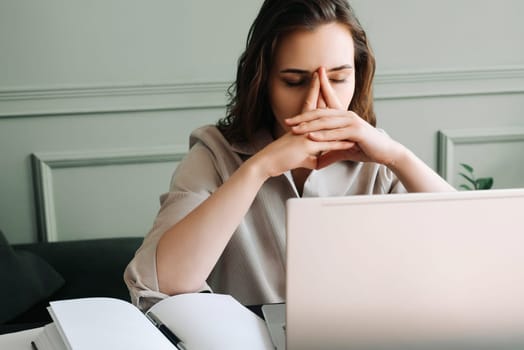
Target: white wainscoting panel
[[492, 152], [100, 194]]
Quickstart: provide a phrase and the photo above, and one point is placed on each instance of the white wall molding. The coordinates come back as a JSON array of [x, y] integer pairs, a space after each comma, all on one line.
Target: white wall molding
[[499, 80], [108, 99], [43, 165], [448, 140]]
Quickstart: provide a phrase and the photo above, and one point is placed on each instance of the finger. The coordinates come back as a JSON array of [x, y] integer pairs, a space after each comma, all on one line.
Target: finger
[[329, 158], [336, 133], [324, 121], [312, 96], [321, 102], [337, 125], [327, 91], [353, 153], [322, 124], [312, 115], [326, 147]]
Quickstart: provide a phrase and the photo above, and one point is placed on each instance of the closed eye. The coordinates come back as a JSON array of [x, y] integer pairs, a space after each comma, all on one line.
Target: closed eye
[[295, 83], [299, 80], [340, 77]]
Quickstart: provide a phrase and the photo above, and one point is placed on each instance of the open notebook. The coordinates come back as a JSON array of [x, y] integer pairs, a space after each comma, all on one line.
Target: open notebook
[[187, 321], [406, 271]]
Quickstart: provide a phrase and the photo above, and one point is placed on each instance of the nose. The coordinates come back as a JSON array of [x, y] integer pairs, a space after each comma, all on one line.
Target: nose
[[320, 102]]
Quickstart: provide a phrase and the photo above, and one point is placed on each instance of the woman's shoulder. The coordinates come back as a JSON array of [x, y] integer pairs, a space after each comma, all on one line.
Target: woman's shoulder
[[208, 142], [210, 137], [206, 134]]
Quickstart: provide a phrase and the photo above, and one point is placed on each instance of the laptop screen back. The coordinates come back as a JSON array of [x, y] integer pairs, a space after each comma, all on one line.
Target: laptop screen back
[[408, 271]]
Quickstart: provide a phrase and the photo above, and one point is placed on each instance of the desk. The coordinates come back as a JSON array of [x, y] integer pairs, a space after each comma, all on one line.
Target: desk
[[19, 340]]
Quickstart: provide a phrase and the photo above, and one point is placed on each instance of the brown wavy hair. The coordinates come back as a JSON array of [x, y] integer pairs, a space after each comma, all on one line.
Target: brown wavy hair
[[249, 109]]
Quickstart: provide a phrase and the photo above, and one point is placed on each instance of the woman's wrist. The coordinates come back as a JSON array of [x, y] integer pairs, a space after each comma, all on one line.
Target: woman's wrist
[[256, 168], [400, 157]]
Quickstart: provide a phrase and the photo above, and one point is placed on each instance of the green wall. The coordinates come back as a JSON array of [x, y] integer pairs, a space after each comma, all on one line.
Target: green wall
[[97, 98]]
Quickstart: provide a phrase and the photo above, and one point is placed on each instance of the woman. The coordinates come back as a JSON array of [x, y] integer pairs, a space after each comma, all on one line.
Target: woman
[[300, 123]]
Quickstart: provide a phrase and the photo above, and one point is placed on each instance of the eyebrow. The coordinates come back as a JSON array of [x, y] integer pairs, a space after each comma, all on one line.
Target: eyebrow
[[303, 71]]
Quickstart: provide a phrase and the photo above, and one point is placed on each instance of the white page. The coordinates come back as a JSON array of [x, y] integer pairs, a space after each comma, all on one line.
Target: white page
[[106, 323], [212, 321]]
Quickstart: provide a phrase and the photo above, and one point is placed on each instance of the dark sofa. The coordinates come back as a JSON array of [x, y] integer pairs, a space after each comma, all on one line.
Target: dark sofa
[[87, 268]]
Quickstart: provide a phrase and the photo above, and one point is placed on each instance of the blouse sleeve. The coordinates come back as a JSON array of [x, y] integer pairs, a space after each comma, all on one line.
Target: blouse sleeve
[[389, 181], [194, 180]]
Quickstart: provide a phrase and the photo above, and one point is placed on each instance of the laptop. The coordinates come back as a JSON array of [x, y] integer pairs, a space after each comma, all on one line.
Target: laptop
[[406, 271]]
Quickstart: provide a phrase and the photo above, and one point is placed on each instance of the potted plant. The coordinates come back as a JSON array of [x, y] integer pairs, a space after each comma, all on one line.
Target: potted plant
[[483, 183]]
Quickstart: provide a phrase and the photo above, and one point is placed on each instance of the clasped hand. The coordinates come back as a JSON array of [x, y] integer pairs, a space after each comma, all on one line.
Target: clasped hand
[[318, 136]]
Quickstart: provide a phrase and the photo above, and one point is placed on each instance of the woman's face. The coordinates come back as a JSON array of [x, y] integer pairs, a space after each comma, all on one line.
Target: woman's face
[[297, 56]]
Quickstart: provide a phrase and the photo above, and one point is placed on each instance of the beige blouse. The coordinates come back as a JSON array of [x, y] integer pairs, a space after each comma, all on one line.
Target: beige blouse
[[252, 266]]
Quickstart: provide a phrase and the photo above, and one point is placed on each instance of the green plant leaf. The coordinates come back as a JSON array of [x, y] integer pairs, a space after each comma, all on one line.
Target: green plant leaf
[[484, 183], [467, 167], [469, 179], [466, 187]]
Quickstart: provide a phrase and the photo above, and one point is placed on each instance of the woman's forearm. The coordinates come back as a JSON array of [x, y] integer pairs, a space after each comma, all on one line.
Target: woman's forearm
[[415, 175], [189, 250]]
